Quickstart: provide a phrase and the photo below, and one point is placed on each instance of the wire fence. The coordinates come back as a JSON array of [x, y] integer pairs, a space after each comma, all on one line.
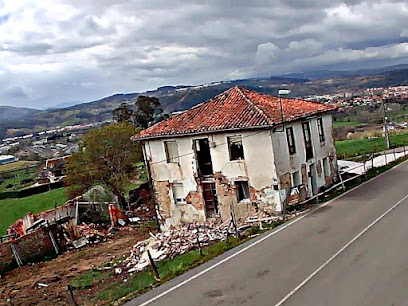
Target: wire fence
[[368, 162]]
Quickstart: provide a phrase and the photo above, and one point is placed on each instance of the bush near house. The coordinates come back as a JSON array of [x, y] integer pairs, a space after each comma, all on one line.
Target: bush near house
[[14, 209]]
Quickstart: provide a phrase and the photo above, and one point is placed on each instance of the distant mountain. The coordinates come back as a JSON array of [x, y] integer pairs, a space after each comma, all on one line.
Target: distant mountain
[[324, 74], [13, 113], [65, 105], [174, 98]]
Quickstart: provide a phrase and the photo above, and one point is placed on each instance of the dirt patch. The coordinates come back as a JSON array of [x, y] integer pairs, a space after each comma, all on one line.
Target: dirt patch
[[21, 287]]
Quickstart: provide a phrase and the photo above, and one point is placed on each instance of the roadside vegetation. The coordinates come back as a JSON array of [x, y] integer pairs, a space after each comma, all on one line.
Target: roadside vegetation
[[14, 209]]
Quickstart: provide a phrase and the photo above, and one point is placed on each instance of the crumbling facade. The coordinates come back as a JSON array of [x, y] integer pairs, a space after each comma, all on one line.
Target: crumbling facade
[[237, 152]]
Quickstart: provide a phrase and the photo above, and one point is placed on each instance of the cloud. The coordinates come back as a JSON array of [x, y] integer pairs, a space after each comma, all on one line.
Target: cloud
[[80, 50]]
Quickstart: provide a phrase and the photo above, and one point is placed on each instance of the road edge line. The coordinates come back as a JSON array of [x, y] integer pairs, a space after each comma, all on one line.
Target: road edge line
[[307, 279]]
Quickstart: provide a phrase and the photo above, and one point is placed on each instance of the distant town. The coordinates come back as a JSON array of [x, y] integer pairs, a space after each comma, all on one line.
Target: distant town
[[52, 143], [369, 96]]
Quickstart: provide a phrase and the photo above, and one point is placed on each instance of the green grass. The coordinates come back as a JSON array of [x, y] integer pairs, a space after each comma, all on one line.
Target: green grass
[[21, 164], [17, 178], [85, 280], [337, 124], [350, 148], [14, 209], [398, 115]]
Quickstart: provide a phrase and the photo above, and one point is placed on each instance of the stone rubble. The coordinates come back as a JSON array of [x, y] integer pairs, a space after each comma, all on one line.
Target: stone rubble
[[94, 233], [175, 242], [169, 244]]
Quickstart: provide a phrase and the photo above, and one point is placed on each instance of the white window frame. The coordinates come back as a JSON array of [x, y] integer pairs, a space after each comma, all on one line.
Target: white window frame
[[178, 195], [171, 159]]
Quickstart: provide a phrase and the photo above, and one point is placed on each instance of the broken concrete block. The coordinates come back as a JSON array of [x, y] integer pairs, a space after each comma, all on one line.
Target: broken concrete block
[[134, 219], [81, 242]]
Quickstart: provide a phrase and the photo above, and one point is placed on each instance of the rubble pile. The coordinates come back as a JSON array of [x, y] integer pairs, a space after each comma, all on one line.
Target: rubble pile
[[143, 211], [94, 233], [175, 242]]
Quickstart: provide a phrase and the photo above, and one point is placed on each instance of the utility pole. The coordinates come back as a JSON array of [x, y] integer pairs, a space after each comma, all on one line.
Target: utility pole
[[282, 92], [387, 136]]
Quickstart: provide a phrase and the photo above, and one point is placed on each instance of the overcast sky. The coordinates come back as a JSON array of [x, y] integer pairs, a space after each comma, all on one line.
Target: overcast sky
[[56, 51]]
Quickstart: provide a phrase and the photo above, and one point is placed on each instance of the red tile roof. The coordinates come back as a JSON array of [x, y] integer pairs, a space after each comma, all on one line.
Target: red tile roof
[[236, 108]]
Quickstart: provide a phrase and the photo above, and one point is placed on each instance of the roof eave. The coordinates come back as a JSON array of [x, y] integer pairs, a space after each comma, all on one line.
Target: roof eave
[[231, 129]]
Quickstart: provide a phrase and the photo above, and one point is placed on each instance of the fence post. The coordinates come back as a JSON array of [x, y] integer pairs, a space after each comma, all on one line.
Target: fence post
[[364, 166], [71, 295], [156, 272], [404, 151], [385, 158], [341, 180], [372, 161], [198, 242], [395, 156]]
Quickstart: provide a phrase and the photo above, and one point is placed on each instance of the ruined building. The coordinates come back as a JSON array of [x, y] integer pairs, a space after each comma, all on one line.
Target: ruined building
[[234, 151]]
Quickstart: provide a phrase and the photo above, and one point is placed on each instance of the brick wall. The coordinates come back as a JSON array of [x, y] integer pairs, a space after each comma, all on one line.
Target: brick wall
[[30, 247]]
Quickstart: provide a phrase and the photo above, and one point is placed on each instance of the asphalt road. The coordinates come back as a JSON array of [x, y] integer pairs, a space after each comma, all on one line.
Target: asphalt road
[[351, 251]]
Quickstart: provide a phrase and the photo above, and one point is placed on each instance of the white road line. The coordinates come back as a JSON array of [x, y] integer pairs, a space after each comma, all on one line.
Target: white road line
[[339, 252], [259, 241]]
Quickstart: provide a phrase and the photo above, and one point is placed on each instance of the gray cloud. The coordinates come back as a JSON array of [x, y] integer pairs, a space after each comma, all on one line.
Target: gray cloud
[[70, 50]]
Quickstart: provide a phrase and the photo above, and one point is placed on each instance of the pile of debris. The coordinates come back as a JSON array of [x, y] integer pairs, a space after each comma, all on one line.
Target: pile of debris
[[191, 236], [94, 233], [174, 242]]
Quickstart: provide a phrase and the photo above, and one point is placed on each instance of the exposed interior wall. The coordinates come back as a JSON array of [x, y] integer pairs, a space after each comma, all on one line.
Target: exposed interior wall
[[20, 226], [287, 165], [163, 176]]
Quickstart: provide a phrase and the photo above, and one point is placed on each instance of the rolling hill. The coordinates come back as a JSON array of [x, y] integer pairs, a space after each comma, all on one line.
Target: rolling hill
[[13, 113], [174, 98]]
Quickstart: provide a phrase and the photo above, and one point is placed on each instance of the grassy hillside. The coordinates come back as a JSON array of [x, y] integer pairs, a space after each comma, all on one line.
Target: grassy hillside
[[14, 209], [350, 148], [13, 113]]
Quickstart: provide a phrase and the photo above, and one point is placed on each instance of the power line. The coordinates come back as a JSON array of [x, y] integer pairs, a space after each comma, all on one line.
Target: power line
[[191, 153]]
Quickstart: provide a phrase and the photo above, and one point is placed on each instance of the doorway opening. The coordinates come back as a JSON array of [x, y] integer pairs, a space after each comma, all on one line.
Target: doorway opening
[[210, 199], [202, 152]]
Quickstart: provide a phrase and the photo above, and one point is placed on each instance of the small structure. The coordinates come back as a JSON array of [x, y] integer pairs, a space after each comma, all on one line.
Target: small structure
[[54, 169], [6, 159], [241, 150]]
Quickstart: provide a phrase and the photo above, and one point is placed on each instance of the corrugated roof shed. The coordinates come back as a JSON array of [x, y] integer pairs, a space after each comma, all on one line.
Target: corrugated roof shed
[[234, 109]]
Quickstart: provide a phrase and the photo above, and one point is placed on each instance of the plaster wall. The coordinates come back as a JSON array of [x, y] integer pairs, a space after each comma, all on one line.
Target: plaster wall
[[257, 168], [288, 164]]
